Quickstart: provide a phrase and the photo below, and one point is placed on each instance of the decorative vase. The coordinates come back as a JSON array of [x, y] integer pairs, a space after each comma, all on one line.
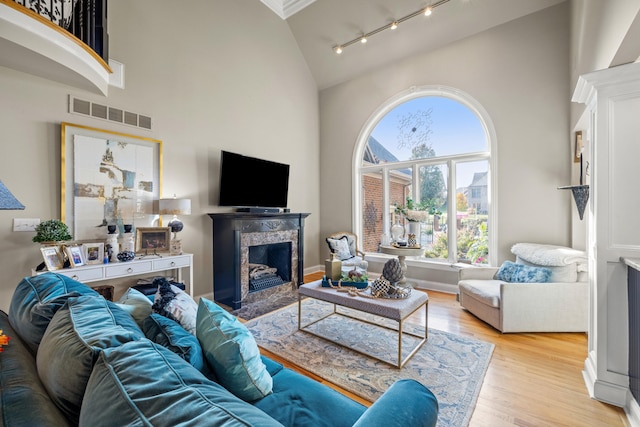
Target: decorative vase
[[415, 228], [114, 245], [333, 268], [397, 232]]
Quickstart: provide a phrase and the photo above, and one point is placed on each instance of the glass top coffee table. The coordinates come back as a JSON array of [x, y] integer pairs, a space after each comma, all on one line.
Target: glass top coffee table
[[397, 310]]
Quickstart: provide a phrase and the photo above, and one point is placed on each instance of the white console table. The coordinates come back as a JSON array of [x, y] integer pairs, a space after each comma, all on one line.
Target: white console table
[[136, 267]]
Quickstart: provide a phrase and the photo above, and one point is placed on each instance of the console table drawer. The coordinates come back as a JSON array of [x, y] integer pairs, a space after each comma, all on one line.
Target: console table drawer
[[171, 262], [129, 269], [84, 274]]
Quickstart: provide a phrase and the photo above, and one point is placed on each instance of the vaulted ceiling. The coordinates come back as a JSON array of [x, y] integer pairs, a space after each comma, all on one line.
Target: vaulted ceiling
[[319, 25]]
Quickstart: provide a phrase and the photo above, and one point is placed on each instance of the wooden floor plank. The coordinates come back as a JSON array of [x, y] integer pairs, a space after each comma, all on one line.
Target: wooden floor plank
[[532, 380]]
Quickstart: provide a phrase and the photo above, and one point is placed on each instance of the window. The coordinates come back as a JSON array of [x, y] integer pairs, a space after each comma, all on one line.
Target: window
[[427, 150]]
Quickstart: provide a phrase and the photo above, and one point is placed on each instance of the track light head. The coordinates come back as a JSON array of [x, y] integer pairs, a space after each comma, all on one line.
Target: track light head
[[428, 11]]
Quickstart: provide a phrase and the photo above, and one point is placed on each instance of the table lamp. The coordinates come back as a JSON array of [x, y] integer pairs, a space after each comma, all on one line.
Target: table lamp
[[175, 207]]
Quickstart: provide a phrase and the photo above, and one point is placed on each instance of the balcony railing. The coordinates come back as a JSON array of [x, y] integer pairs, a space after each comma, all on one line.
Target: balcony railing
[[85, 19]]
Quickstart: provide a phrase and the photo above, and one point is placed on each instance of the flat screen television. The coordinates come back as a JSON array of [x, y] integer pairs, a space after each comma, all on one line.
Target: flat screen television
[[249, 182]]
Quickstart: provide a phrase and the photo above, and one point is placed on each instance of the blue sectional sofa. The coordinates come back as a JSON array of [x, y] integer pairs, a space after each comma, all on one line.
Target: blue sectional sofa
[[76, 359]]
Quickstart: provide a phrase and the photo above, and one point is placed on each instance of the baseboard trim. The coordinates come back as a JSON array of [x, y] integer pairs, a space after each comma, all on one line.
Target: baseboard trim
[[632, 410]]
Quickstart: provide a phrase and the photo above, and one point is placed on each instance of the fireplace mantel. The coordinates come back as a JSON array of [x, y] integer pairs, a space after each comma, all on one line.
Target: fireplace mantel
[[230, 253]]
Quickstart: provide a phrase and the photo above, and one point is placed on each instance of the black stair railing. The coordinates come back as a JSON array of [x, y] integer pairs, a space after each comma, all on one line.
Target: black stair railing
[[85, 19]]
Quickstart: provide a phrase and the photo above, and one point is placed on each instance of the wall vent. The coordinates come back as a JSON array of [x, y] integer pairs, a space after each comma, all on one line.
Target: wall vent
[[105, 112]]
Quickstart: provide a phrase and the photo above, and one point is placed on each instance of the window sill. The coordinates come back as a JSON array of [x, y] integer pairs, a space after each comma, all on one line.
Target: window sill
[[426, 263]]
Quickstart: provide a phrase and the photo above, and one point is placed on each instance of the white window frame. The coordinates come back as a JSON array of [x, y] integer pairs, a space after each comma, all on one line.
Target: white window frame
[[491, 156]]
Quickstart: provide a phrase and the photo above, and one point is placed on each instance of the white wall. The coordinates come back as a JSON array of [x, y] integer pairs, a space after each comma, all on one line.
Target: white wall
[[212, 75], [519, 72]]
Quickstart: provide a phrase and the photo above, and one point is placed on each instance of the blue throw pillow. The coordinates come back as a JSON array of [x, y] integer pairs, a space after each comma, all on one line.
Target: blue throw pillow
[[77, 333], [35, 301], [520, 273], [143, 384], [232, 352], [169, 334]]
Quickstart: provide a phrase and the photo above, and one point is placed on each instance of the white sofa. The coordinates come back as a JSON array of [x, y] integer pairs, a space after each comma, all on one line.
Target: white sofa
[[556, 306]]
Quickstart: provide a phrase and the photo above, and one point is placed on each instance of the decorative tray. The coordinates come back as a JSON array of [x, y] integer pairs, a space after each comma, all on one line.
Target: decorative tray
[[395, 245], [326, 283]]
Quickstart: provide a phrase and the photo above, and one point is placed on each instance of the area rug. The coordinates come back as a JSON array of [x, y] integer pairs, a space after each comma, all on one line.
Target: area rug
[[451, 366]]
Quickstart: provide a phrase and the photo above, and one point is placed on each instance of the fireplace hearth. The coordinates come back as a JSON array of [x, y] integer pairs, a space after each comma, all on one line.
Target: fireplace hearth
[[244, 241]]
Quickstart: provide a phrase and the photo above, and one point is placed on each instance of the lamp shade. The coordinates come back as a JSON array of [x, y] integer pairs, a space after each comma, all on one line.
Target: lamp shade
[[174, 206], [7, 200]]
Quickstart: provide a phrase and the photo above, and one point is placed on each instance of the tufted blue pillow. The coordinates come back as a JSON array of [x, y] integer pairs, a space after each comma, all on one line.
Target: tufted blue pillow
[[169, 334], [520, 273], [77, 333], [143, 384], [35, 301], [232, 352]]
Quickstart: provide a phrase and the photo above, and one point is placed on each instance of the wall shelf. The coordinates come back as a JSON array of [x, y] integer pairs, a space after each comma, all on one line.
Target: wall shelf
[[31, 44]]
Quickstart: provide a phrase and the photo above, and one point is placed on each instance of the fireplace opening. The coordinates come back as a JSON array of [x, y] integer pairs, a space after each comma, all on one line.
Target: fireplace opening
[[269, 265]]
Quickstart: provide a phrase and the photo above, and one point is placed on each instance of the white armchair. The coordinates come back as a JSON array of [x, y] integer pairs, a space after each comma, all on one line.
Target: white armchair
[[557, 306]]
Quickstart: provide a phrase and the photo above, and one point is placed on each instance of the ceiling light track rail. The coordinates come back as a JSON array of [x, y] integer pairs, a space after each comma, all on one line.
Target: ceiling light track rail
[[392, 26]]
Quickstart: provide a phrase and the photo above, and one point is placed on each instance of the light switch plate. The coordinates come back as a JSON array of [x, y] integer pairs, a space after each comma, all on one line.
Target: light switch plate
[[25, 224]]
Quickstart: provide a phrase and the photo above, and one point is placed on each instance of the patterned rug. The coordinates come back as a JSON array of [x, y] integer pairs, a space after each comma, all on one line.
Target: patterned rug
[[452, 366]]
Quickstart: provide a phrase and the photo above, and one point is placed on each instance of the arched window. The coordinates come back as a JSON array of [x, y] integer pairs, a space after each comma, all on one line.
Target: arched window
[[425, 157]]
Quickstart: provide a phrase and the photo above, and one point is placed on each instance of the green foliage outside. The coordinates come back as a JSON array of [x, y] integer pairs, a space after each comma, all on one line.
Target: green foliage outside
[[473, 242]]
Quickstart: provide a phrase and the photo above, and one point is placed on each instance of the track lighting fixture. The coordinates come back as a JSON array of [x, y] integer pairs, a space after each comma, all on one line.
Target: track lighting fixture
[[427, 11]]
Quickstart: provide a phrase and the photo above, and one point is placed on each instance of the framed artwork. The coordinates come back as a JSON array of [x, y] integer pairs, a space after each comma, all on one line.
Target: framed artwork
[[153, 239], [75, 253], [577, 150], [93, 253], [52, 257], [107, 178]]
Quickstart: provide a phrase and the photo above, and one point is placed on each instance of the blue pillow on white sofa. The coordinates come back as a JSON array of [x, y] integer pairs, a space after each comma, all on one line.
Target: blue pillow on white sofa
[[520, 273]]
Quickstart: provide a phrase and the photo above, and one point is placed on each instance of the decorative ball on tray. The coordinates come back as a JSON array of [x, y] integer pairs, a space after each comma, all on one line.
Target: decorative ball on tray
[[126, 256], [380, 286]]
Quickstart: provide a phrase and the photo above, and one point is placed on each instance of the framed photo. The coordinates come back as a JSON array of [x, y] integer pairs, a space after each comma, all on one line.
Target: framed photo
[[93, 253], [577, 150], [153, 239], [52, 257], [75, 254], [107, 178]]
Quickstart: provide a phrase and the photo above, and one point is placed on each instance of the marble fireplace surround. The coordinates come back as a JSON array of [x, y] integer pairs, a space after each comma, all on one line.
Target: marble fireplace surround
[[234, 233], [267, 238]]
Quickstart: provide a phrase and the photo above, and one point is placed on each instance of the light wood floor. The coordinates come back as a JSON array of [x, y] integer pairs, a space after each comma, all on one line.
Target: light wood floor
[[532, 380]]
